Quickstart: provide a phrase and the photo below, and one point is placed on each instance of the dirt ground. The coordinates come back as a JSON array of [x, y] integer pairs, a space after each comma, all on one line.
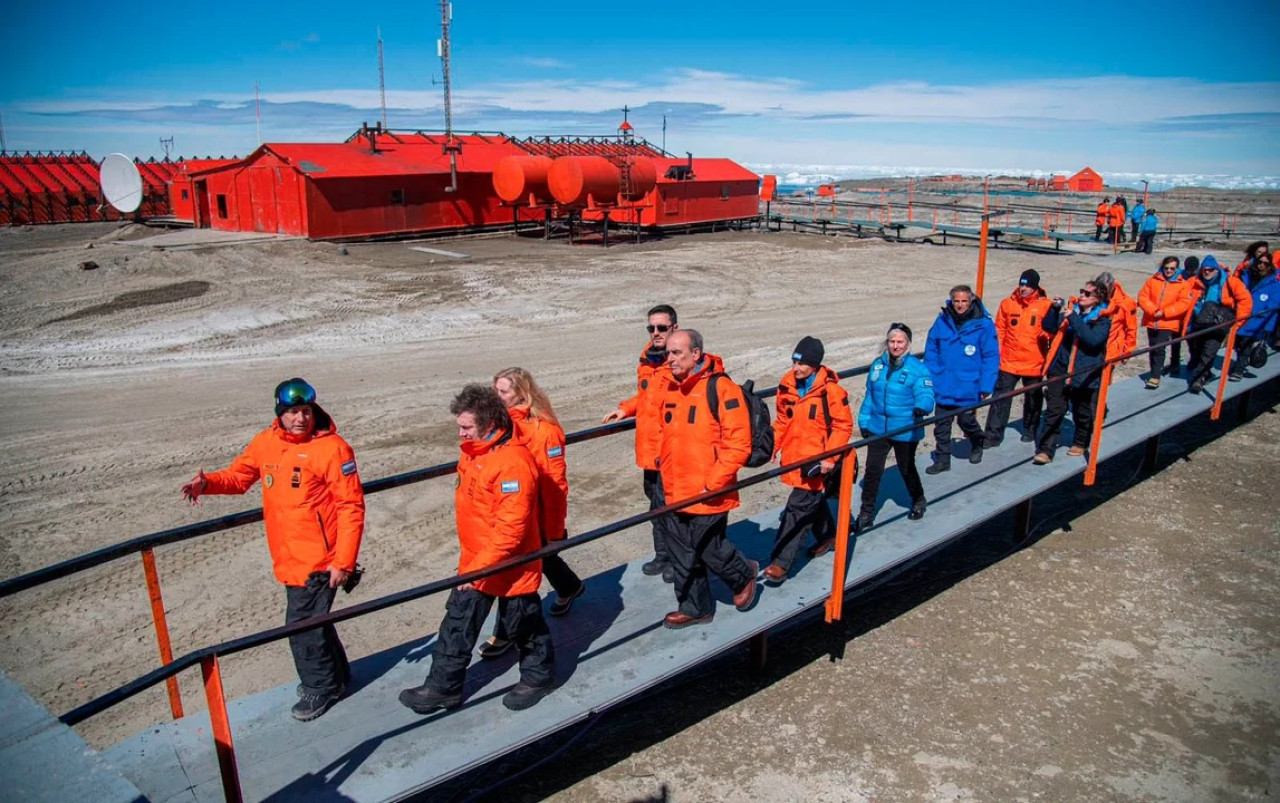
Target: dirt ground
[[116, 383]]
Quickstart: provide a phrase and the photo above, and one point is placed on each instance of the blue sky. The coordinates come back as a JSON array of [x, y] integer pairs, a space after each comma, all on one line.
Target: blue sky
[[1173, 87]]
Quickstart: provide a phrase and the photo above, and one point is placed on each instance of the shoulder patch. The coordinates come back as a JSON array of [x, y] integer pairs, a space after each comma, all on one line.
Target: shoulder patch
[[511, 486], [928, 383], [732, 404], [555, 451], [348, 468]]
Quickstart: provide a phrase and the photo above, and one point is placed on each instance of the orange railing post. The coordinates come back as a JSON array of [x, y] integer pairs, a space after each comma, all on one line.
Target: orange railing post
[[835, 602], [221, 725], [1099, 419], [911, 199], [1226, 370], [162, 627]]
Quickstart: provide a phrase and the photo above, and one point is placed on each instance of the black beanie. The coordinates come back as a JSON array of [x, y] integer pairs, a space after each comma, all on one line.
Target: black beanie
[[809, 351], [1030, 279], [1191, 264]]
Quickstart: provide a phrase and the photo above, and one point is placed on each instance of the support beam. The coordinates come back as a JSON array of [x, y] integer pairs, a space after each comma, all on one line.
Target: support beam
[[1151, 454], [1242, 411], [759, 651], [1022, 520]]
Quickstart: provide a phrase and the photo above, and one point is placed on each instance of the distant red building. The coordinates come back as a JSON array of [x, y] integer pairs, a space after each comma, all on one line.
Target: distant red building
[[1087, 180]]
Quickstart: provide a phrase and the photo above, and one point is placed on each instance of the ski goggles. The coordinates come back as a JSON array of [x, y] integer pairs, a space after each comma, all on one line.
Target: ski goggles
[[295, 392]]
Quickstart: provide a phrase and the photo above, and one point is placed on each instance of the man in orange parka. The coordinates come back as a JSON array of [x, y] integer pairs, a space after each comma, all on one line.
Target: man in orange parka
[[700, 450], [1115, 219], [1023, 346], [313, 507], [1101, 218], [1165, 301], [653, 378], [813, 417], [496, 510]]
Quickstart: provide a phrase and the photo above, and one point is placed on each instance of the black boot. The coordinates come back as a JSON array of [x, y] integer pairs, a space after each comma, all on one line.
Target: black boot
[[917, 509], [941, 463]]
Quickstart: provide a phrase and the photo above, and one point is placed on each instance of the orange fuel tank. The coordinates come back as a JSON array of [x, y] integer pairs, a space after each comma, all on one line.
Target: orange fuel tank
[[516, 178], [575, 178]]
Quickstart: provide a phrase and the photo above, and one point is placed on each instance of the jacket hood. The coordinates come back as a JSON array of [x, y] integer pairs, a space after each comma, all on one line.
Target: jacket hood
[[324, 426], [822, 376], [711, 364], [1209, 262], [477, 448]]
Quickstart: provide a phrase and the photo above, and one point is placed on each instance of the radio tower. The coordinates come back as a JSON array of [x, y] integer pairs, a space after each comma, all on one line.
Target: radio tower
[[451, 145], [382, 84]]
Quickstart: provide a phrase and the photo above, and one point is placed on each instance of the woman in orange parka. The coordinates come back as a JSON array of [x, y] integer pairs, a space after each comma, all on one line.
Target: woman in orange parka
[[1101, 218], [1122, 309], [1165, 301], [496, 513], [313, 508], [813, 417], [537, 427]]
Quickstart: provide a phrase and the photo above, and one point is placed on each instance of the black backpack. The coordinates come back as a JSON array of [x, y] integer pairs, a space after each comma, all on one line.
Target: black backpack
[[757, 412]]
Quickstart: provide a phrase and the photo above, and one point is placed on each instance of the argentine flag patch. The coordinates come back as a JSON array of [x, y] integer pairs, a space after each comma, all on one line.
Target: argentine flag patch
[[511, 486], [555, 451], [348, 468]]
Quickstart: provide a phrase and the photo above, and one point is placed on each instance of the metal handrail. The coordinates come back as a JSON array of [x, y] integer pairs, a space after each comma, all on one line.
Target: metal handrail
[[257, 639]]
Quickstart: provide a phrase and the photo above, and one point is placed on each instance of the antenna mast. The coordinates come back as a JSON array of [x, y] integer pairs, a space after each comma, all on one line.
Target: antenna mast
[[167, 144], [257, 110], [451, 146], [2, 148], [382, 84]]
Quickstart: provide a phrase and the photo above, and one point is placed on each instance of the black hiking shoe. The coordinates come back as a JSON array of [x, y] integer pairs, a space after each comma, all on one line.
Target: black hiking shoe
[[424, 700], [312, 705], [523, 696]]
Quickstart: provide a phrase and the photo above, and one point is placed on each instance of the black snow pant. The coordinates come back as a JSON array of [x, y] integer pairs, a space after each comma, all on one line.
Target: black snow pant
[[700, 544], [968, 420], [904, 452], [1155, 357], [998, 412], [464, 617], [1203, 348], [317, 654], [1083, 403], [663, 526], [805, 510]]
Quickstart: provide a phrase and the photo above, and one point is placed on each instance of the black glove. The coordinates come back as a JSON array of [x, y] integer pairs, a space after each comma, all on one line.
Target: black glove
[[865, 433], [918, 413]]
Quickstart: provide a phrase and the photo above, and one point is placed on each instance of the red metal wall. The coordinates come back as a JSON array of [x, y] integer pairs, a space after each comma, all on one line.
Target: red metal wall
[[63, 188], [261, 195]]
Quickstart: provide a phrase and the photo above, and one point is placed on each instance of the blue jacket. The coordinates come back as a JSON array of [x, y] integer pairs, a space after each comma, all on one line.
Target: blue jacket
[[893, 394], [1137, 213], [1266, 305], [965, 359], [1150, 223], [1081, 344]]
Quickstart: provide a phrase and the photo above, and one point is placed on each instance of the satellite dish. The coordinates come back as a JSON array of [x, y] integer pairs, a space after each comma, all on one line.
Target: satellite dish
[[121, 182]]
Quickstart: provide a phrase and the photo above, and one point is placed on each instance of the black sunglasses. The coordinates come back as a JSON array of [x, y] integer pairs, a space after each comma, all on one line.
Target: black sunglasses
[[659, 328], [1084, 292]]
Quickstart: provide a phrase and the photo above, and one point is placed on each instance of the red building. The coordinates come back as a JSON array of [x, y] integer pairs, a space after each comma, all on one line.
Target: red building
[[1087, 180], [384, 183], [63, 188]]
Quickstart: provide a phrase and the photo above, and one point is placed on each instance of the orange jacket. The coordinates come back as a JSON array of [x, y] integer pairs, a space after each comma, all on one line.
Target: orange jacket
[[1235, 296], [652, 382], [1023, 341], [805, 426], [545, 441], [698, 454], [1122, 309], [1104, 210], [1115, 216], [1173, 298], [496, 509], [312, 502]]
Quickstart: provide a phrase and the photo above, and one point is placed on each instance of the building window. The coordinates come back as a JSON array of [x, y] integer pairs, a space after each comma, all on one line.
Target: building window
[[724, 192], [397, 197], [184, 195], [222, 206]]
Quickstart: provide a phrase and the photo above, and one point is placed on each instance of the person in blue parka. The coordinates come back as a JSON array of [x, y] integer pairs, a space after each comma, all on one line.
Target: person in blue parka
[[899, 392], [963, 357], [1260, 277]]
